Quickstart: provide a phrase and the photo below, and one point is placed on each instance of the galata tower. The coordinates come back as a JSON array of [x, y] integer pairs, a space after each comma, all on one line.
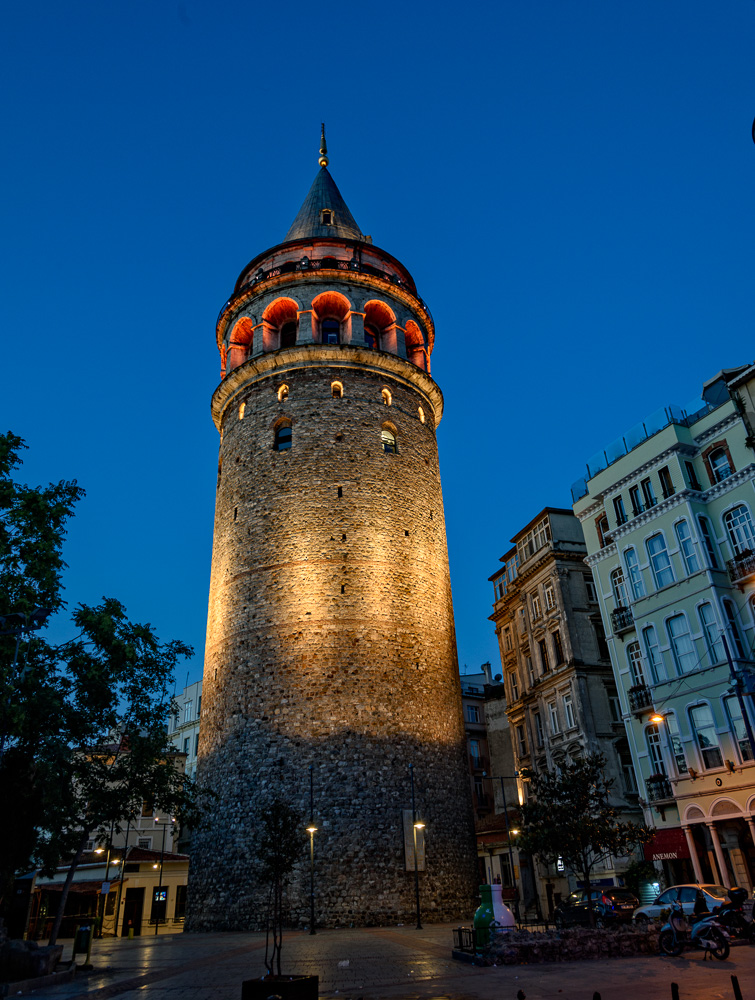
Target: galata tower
[[330, 664]]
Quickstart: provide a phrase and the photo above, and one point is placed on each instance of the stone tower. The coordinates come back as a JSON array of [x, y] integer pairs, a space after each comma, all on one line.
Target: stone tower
[[331, 651]]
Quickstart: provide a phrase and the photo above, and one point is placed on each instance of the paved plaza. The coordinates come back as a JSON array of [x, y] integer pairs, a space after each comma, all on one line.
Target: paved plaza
[[395, 962]]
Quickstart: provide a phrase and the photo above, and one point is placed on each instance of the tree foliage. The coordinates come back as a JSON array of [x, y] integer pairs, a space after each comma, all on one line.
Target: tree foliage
[[83, 726], [279, 847], [570, 818]]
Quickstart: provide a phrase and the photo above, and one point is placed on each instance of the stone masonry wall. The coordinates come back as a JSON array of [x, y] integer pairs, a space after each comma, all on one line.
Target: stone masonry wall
[[331, 643]]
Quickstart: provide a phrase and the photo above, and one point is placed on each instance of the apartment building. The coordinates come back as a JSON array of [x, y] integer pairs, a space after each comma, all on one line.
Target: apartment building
[[667, 514]]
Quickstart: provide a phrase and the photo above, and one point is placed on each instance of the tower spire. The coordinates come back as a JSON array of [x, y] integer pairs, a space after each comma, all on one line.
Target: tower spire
[[323, 161]]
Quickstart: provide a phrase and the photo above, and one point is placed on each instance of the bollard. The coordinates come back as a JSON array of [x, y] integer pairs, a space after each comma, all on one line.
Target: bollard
[[131, 933], [737, 990], [675, 991]]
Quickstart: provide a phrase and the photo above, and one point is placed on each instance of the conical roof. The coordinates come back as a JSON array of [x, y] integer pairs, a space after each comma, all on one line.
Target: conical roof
[[324, 194]]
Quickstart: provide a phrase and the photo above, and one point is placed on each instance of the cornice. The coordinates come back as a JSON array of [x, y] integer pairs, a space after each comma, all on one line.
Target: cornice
[[601, 555], [324, 356], [716, 429]]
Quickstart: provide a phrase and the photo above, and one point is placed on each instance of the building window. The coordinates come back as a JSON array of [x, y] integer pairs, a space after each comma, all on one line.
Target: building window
[[336, 390], [283, 438], [148, 808], [539, 733], [634, 656], [614, 706], [618, 507], [474, 753], [187, 711], [710, 547], [648, 493], [653, 740], [550, 598], [732, 629], [660, 563], [421, 414], [635, 574], [330, 330], [600, 638], [602, 527], [666, 485], [737, 725], [288, 335], [634, 497], [514, 682], [687, 546], [739, 525], [553, 717], [592, 595], [569, 711], [242, 411], [521, 741], [530, 670], [187, 746], [536, 609], [388, 439], [473, 713], [619, 588], [387, 398], [507, 643], [675, 739], [282, 393], [558, 646], [704, 729], [692, 479], [326, 216], [653, 653], [145, 843], [712, 633], [720, 466], [682, 646], [196, 744], [542, 646], [535, 539]]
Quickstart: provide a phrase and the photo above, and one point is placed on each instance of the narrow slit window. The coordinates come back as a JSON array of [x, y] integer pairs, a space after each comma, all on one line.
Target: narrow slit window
[[421, 414], [340, 491], [242, 411], [387, 398], [336, 389], [283, 439], [282, 393]]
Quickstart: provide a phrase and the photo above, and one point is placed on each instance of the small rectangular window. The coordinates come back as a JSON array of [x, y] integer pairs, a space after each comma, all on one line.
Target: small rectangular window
[[558, 646], [648, 493], [539, 733], [692, 479], [553, 717], [667, 485], [592, 595], [187, 712], [530, 670], [536, 610], [196, 744], [634, 497], [521, 741], [618, 507], [473, 713], [710, 548], [550, 598], [514, 681], [187, 745], [660, 564], [507, 641], [569, 711], [544, 662], [705, 735], [145, 843], [615, 708]]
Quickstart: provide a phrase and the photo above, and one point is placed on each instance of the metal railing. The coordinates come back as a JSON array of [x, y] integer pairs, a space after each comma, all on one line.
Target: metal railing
[[658, 788], [640, 698], [621, 619], [741, 566]]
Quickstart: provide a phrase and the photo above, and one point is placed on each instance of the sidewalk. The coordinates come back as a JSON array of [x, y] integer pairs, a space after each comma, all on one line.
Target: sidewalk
[[376, 963]]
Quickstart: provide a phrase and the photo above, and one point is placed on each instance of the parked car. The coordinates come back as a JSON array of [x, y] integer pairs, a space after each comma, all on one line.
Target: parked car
[[611, 905], [714, 895]]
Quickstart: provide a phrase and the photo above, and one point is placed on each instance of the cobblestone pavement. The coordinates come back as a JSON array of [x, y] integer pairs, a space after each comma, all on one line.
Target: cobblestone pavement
[[398, 963]]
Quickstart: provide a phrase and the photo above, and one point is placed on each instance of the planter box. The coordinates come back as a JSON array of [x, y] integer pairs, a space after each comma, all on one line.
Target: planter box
[[285, 987]]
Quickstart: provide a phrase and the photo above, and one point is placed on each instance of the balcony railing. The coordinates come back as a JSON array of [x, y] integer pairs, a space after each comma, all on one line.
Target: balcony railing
[[640, 698], [621, 619], [658, 788], [741, 567]]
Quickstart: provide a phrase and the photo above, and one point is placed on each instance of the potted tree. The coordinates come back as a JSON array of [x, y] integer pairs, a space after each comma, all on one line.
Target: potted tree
[[280, 846]]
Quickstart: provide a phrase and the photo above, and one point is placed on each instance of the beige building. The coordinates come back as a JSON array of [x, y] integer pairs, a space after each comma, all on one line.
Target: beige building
[[558, 685], [668, 513], [183, 727]]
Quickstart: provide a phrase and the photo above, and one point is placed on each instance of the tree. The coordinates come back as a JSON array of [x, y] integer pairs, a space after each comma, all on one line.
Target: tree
[[280, 846], [83, 726], [570, 818]]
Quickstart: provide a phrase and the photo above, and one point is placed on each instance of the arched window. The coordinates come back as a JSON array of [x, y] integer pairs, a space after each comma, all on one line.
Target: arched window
[[326, 217], [654, 654], [719, 465], [288, 334], [282, 437], [710, 547], [619, 588], [389, 441], [687, 546], [712, 633], [242, 410], [663, 573], [387, 398], [602, 527], [282, 393], [331, 331], [739, 525], [635, 574], [421, 414], [682, 646], [653, 740], [336, 389], [737, 726], [634, 656], [704, 729], [371, 336]]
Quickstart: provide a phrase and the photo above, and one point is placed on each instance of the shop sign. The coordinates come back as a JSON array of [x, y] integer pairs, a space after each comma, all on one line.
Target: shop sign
[[667, 845]]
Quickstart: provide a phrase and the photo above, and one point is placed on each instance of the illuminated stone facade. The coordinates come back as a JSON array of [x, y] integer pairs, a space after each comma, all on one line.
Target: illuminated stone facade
[[330, 638]]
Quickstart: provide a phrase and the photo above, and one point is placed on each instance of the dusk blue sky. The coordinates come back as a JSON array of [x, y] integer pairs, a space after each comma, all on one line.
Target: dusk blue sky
[[570, 183]]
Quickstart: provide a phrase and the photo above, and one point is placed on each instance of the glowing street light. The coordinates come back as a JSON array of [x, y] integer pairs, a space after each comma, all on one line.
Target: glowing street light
[[416, 825]]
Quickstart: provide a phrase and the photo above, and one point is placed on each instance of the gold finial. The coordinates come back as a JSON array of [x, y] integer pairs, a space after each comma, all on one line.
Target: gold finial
[[323, 161]]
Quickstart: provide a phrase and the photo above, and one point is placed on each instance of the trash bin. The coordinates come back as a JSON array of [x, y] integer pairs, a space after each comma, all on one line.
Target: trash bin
[[81, 941]]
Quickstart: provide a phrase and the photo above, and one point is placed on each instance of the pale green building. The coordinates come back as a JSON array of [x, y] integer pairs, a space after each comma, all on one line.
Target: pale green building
[[668, 513]]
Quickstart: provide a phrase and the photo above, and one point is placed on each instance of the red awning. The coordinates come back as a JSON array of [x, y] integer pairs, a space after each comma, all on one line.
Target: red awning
[[667, 845]]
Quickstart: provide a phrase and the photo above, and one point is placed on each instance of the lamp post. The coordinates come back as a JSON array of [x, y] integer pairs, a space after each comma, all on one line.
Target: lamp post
[[311, 830], [160, 880], [416, 825], [509, 831]]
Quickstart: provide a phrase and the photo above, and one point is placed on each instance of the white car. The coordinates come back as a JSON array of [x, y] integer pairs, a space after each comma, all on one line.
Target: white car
[[714, 895]]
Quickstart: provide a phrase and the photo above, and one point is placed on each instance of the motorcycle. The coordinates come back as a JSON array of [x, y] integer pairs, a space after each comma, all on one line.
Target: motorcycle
[[706, 933], [732, 918]]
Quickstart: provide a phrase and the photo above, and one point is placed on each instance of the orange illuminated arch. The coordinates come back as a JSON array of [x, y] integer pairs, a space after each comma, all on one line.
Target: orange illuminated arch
[[242, 336], [280, 323], [415, 345], [332, 306], [380, 323]]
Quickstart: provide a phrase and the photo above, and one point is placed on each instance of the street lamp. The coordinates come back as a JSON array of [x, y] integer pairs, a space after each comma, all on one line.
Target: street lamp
[[416, 825], [311, 830], [160, 880]]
